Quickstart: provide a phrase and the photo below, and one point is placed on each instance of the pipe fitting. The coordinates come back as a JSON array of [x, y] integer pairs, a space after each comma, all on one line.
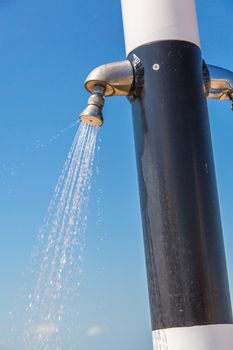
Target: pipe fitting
[[117, 78], [218, 82]]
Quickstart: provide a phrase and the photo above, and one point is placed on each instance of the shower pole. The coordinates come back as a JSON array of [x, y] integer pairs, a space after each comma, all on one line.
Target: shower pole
[[186, 267]]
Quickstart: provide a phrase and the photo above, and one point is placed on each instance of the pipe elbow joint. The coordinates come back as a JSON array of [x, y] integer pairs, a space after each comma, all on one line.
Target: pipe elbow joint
[[116, 78], [218, 82]]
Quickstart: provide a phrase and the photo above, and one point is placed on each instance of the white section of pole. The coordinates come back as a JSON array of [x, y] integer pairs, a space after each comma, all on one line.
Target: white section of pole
[[147, 21], [209, 337]]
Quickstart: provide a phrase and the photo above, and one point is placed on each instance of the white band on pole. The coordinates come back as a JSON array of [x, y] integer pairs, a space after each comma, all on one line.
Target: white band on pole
[[147, 21], [209, 337]]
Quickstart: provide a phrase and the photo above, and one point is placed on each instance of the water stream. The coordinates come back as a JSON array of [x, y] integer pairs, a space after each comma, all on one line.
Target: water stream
[[61, 242]]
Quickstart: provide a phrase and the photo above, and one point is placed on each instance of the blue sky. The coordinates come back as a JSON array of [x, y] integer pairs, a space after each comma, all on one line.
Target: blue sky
[[47, 48]]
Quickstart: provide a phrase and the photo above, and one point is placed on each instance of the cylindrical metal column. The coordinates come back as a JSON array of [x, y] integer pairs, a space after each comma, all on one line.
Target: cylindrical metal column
[[186, 268]]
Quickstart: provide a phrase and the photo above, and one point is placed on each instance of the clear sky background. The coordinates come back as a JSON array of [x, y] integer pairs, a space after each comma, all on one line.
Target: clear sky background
[[47, 48]]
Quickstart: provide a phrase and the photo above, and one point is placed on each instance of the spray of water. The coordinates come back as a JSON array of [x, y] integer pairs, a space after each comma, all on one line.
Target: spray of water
[[60, 247]]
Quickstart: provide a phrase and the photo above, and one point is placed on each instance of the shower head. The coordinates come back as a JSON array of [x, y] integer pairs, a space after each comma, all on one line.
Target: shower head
[[92, 114]]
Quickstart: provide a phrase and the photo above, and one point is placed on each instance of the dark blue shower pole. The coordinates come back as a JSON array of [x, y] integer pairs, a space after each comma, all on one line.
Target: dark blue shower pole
[[186, 267]]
